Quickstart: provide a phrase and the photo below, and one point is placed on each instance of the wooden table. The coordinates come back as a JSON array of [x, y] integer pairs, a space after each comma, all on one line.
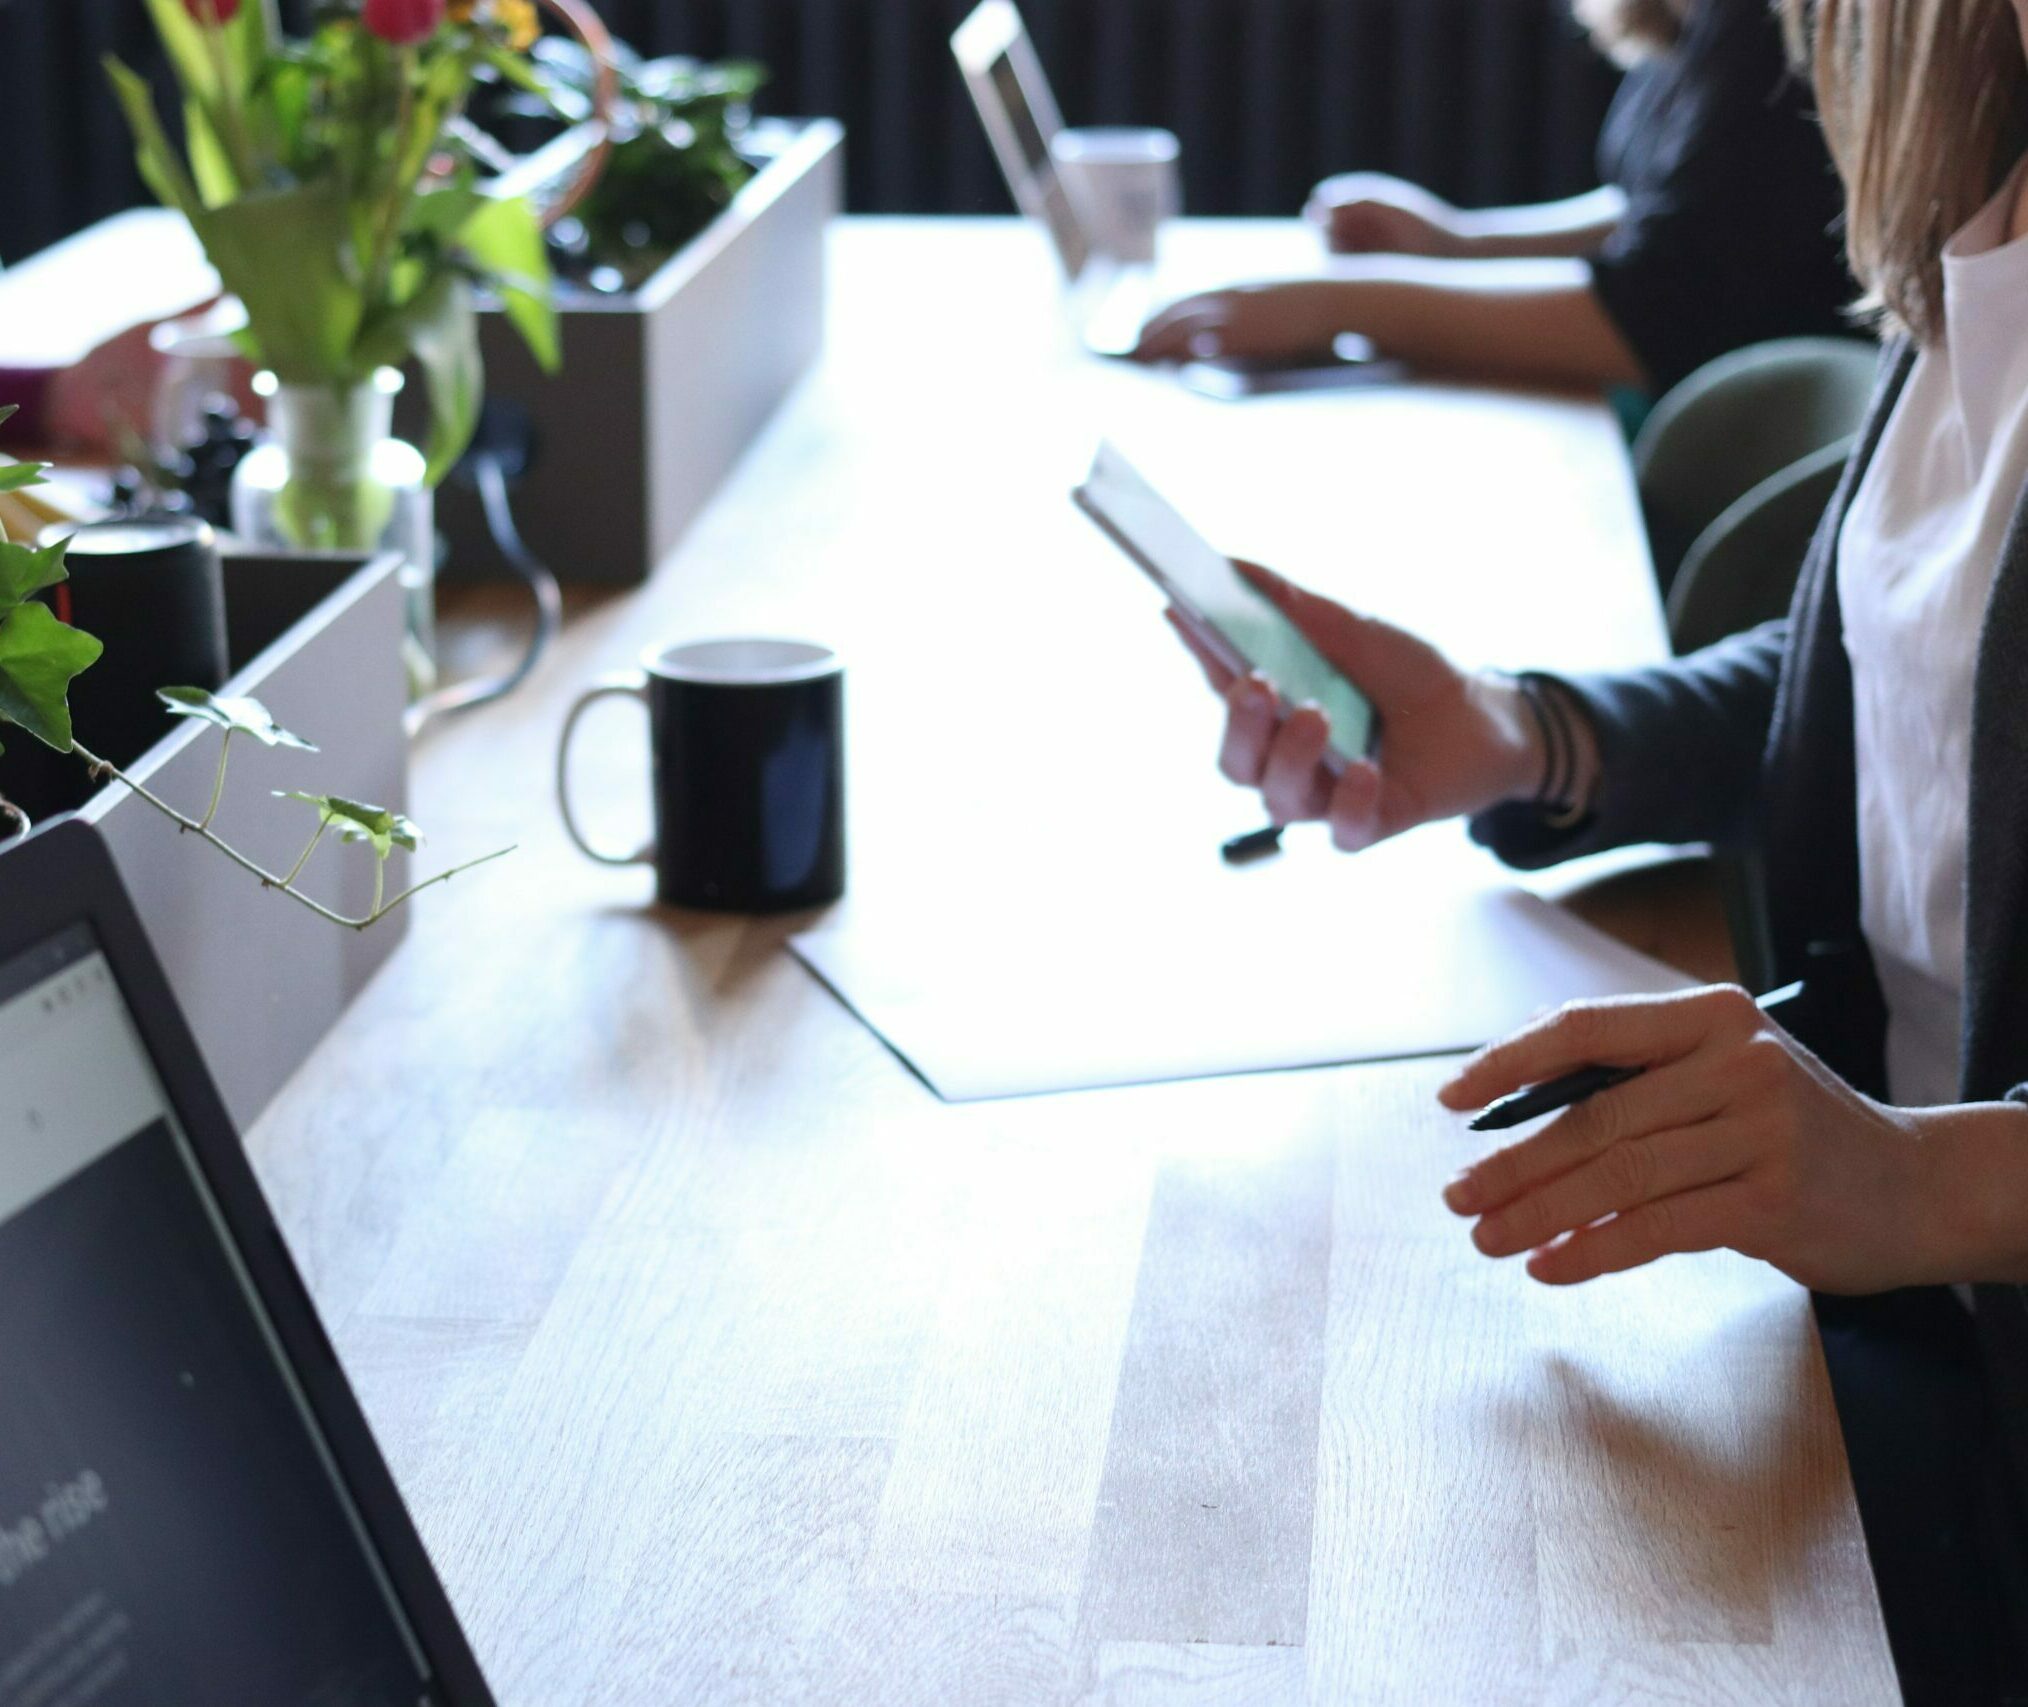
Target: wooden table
[[721, 1363]]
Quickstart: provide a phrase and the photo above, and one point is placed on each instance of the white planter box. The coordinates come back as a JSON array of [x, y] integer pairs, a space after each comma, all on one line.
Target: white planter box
[[261, 979], [662, 390]]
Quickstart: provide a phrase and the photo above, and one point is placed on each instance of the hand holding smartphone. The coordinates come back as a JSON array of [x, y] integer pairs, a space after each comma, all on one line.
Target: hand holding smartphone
[[1246, 632]]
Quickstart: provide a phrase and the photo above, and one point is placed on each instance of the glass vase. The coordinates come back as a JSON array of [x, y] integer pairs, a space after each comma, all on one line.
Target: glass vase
[[329, 475]]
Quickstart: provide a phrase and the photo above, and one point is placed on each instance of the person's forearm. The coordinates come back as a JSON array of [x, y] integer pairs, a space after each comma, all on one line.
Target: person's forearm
[[1972, 1202], [25, 391], [1568, 229], [1537, 322]]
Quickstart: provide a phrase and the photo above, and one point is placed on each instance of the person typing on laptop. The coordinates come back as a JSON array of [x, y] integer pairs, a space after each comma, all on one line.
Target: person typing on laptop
[[1714, 230]]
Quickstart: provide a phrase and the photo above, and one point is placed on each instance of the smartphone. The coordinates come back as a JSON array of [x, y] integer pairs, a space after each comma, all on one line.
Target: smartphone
[[1246, 631]]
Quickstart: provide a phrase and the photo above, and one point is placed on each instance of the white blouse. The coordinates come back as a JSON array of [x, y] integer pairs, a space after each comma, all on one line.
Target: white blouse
[[1916, 566]]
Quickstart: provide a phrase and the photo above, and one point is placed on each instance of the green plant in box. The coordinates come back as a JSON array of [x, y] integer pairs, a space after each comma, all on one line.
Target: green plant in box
[[675, 163], [41, 655]]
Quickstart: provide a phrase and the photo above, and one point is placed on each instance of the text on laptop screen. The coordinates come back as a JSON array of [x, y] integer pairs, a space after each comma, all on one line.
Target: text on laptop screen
[[172, 1526]]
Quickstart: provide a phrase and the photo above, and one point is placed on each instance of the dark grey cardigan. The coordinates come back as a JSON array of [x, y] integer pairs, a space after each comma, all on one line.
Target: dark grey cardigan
[[1749, 745]]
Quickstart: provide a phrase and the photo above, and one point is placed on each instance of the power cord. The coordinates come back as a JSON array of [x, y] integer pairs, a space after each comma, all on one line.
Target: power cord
[[501, 451]]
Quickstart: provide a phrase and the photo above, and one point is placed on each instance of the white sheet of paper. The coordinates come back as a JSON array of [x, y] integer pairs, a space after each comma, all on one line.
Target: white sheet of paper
[[1417, 948]]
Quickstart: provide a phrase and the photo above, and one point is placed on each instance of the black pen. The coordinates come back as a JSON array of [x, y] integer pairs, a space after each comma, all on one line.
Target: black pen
[[1255, 844], [1586, 1082]]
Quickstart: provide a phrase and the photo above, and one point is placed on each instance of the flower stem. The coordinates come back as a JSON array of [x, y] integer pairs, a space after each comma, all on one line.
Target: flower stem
[[389, 224], [218, 786]]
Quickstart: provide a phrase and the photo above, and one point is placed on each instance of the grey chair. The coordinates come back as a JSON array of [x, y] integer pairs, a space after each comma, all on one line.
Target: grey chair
[[1740, 573], [1738, 422], [1736, 468], [1742, 569]]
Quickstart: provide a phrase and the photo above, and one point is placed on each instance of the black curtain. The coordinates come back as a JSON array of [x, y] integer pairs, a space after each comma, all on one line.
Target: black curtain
[[1483, 100]]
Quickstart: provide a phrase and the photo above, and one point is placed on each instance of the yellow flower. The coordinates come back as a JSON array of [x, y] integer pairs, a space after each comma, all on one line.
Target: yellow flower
[[519, 20]]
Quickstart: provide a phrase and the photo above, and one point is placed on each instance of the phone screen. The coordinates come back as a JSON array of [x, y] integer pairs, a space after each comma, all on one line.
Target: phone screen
[[1202, 581]]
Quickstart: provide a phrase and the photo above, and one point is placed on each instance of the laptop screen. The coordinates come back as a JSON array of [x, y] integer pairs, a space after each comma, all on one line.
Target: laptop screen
[[173, 1527], [1020, 115]]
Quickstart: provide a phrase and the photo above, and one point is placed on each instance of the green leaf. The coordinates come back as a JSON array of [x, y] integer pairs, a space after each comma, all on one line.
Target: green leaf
[[39, 656], [210, 164], [24, 571], [15, 476], [356, 821], [512, 67], [244, 45], [8, 410], [443, 330], [234, 714], [279, 252], [504, 240], [160, 167], [442, 213]]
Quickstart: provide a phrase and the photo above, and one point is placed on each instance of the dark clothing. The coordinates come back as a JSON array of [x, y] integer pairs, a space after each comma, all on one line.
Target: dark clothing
[[1923, 1433], [1731, 235], [26, 390], [1749, 744]]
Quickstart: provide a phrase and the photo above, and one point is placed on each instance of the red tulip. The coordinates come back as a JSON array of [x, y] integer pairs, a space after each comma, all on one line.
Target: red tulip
[[402, 22], [212, 11]]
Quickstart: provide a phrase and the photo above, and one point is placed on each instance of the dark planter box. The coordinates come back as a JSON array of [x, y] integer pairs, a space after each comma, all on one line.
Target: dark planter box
[[662, 389], [318, 641]]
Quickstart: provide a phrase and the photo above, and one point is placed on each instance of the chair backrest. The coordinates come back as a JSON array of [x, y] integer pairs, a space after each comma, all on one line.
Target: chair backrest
[[1742, 569], [1737, 422]]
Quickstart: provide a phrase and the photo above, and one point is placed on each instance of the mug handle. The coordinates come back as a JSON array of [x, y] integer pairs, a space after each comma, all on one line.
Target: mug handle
[[633, 687]]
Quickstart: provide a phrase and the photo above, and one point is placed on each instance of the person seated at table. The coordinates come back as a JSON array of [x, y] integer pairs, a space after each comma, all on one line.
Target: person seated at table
[[1714, 231], [1872, 749]]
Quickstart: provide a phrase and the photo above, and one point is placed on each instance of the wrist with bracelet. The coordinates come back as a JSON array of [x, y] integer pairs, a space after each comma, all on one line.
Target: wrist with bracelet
[[1565, 796]]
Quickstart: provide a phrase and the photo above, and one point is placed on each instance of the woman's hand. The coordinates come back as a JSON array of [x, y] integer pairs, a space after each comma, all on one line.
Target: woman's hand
[[1261, 322], [1370, 213], [1733, 1136], [1452, 743]]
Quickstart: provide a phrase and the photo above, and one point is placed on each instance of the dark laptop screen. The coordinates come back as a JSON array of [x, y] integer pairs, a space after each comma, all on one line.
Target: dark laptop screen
[[172, 1526]]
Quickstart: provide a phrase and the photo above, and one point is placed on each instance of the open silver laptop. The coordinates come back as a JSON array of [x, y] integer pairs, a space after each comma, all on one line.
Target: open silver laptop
[[1110, 300]]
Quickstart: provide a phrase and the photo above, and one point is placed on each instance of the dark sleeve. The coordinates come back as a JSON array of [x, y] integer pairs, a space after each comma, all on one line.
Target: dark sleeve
[[25, 389], [1680, 751], [1731, 232]]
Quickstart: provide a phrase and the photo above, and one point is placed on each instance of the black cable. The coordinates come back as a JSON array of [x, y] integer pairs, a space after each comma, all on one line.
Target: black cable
[[489, 473]]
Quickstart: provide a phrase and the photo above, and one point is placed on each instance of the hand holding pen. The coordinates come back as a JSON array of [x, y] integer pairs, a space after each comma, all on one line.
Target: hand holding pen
[[1719, 1129], [1581, 1084]]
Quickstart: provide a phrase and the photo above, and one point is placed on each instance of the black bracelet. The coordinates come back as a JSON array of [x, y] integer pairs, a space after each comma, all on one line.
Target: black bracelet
[[1549, 791], [1565, 808]]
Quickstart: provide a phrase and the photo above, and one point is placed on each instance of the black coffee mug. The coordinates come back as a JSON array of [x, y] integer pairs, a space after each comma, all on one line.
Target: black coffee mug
[[749, 760]]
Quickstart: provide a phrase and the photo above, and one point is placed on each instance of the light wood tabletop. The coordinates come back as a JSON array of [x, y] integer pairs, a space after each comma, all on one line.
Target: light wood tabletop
[[720, 1362]]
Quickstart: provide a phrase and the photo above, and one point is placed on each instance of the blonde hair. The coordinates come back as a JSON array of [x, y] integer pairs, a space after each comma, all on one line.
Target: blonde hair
[[1633, 30], [1925, 107]]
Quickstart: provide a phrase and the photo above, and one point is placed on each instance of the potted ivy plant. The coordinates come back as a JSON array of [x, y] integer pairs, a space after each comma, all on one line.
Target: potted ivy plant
[[41, 655]]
